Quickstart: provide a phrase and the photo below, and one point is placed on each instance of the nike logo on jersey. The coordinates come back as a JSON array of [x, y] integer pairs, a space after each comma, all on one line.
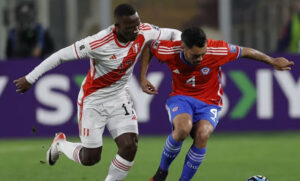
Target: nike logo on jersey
[[176, 71], [113, 57]]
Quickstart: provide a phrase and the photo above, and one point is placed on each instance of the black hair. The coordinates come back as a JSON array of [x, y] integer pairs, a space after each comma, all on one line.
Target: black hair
[[124, 10], [193, 36]]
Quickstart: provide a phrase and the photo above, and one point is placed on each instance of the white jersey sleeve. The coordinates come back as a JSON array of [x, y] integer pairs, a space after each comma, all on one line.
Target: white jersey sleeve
[[86, 47], [65, 54], [170, 34], [153, 32], [82, 48]]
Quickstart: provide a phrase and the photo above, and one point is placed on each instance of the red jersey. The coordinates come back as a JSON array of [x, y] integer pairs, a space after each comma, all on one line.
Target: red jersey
[[202, 81]]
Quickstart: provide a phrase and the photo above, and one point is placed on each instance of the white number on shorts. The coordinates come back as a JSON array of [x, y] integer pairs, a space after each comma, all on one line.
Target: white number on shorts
[[126, 112], [215, 113], [191, 81]]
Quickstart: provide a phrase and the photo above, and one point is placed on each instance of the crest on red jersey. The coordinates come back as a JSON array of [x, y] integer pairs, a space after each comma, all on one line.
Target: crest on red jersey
[[205, 70]]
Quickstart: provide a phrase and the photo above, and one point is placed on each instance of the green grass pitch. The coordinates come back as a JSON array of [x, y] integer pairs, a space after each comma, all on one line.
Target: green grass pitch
[[230, 157]]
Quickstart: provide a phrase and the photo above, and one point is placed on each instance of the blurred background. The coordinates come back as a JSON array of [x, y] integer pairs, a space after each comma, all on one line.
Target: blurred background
[[255, 23], [259, 126]]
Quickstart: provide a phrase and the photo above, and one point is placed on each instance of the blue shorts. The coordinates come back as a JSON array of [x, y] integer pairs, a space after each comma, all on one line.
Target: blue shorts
[[197, 109]]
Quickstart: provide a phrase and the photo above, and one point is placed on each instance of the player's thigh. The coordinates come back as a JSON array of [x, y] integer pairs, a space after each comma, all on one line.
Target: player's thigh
[[91, 122], [180, 112], [209, 113], [123, 118]]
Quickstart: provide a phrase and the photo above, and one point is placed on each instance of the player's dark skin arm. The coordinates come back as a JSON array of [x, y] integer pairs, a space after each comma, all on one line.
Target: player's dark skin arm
[[146, 57], [278, 63]]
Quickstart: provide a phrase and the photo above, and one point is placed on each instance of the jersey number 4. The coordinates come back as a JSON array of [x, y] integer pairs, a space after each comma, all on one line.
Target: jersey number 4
[[191, 81]]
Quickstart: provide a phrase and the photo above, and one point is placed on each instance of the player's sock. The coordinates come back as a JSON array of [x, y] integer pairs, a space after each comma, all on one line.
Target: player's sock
[[171, 150], [192, 162], [71, 150], [118, 169]]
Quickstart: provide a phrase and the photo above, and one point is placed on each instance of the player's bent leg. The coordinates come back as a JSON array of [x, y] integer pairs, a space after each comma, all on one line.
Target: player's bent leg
[[127, 144], [182, 124], [123, 161], [61, 146], [90, 156], [197, 151], [203, 130]]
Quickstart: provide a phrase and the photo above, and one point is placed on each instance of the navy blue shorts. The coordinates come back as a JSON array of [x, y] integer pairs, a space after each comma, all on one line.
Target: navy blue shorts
[[197, 109]]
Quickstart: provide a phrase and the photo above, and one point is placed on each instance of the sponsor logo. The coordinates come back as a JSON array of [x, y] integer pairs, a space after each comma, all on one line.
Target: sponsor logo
[[175, 109], [113, 57], [134, 117], [81, 47], [176, 71], [189, 164]]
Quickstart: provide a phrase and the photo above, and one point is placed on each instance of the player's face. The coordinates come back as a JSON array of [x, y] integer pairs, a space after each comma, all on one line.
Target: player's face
[[128, 27], [195, 54]]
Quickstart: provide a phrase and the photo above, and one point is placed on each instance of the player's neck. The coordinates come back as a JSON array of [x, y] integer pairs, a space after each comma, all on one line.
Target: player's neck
[[121, 39]]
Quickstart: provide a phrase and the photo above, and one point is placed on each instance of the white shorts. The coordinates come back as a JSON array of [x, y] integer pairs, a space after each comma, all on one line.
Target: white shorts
[[117, 113]]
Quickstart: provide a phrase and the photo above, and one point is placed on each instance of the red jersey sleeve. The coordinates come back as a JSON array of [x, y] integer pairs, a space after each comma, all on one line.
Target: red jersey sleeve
[[165, 50], [225, 51]]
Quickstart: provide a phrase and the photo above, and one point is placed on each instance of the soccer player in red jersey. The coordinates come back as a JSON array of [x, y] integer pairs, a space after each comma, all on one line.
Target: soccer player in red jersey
[[103, 100], [196, 98]]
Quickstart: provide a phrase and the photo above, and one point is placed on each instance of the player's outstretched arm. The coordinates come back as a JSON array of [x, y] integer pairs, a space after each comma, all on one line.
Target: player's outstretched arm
[[23, 84], [279, 63], [146, 57], [170, 34]]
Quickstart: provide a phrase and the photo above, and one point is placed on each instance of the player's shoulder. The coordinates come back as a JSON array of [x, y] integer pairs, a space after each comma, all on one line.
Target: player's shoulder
[[144, 27], [149, 31], [216, 44], [104, 33], [101, 38], [166, 48]]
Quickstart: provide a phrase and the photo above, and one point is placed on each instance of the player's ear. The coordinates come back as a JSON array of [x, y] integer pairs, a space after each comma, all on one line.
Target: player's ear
[[183, 46]]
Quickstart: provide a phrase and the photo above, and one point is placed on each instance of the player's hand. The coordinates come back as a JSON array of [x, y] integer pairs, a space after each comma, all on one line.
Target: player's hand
[[148, 87], [22, 85], [281, 63]]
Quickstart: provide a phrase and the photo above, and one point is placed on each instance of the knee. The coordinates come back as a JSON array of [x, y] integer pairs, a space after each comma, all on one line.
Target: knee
[[129, 146], [203, 135], [89, 157], [90, 161], [181, 133], [182, 126]]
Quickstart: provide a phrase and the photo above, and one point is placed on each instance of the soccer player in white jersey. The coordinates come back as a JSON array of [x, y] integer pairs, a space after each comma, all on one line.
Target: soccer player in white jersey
[[103, 98]]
